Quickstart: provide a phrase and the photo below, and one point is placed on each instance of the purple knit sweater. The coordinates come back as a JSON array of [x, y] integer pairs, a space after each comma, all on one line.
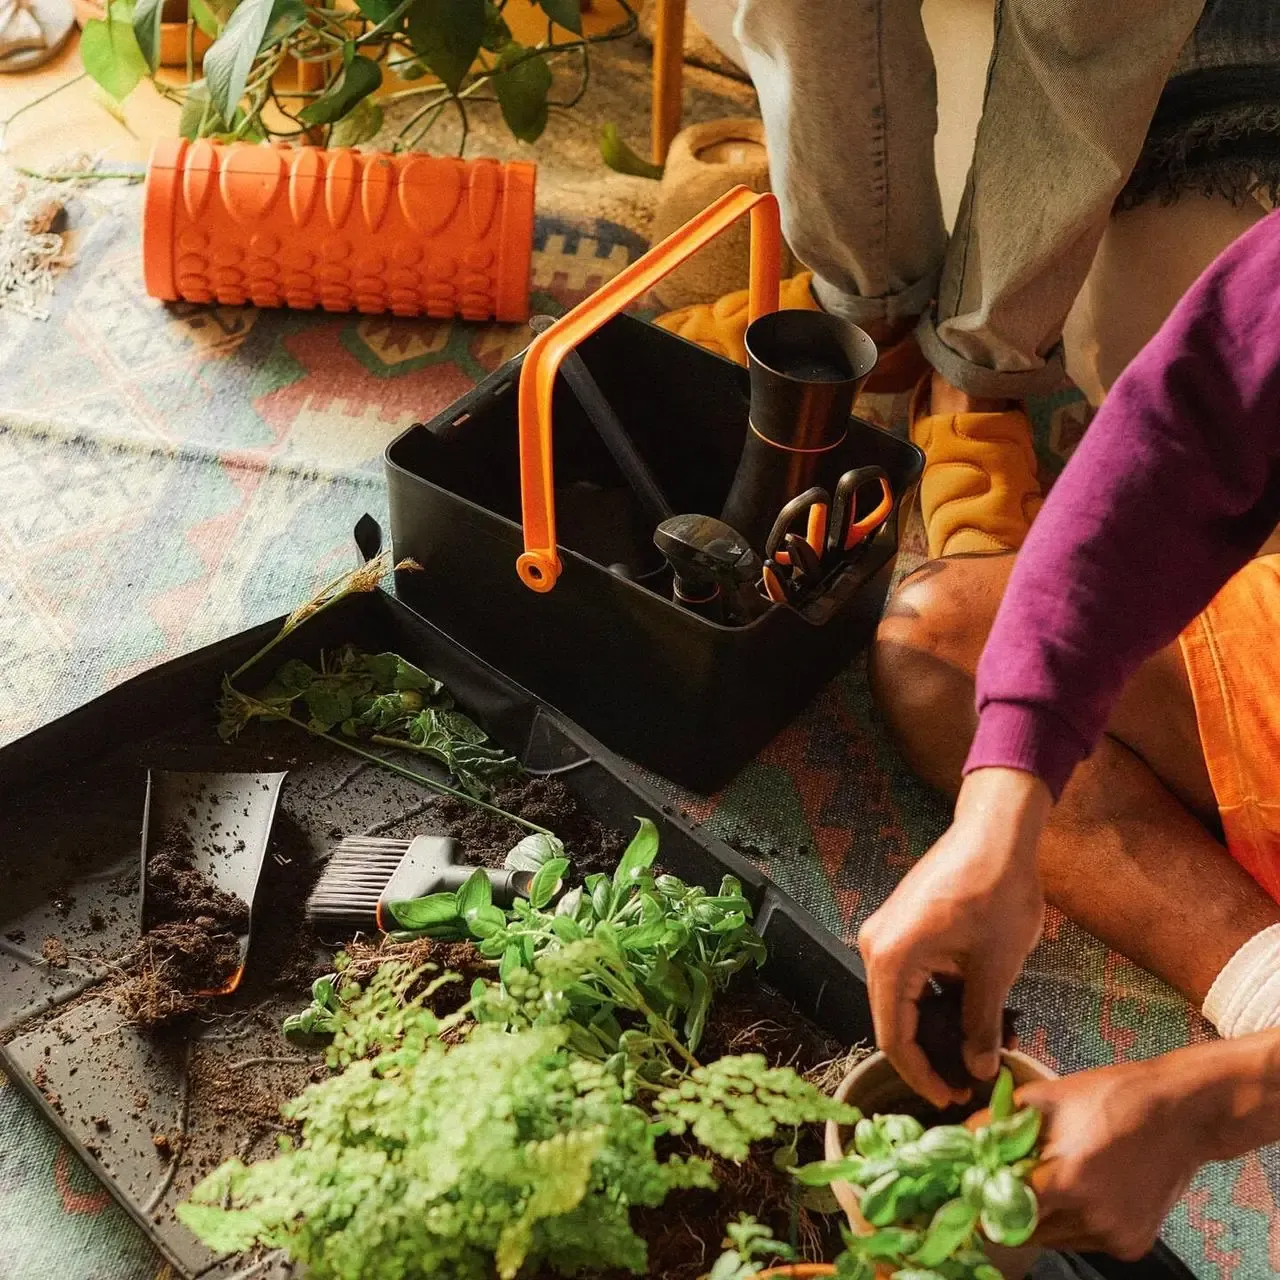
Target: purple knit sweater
[[1174, 487]]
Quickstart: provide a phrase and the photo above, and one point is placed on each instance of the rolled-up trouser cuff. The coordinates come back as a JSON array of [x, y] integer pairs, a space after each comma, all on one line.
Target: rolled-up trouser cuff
[[893, 307], [978, 380]]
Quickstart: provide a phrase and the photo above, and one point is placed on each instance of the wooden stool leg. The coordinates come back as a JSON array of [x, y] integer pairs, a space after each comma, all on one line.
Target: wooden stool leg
[[668, 77]]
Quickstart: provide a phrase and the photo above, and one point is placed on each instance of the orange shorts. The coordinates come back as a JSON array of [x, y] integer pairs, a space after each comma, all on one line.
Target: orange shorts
[[1232, 657]]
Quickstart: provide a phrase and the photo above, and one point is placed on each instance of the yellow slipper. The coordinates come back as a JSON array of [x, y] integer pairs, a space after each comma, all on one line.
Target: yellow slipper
[[719, 327], [980, 491]]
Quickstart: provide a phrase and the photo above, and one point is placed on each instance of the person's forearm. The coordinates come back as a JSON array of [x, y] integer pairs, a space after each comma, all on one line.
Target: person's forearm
[[1228, 1091], [1174, 487]]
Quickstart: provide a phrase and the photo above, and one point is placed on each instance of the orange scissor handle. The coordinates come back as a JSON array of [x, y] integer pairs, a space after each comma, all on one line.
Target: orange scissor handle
[[539, 566], [853, 532]]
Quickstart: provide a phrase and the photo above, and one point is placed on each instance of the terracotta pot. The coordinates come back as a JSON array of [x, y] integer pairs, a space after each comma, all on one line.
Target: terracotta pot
[[875, 1087], [173, 31], [705, 161]]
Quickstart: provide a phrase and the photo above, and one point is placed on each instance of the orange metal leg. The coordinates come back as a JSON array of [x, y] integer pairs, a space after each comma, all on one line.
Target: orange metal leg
[[668, 77]]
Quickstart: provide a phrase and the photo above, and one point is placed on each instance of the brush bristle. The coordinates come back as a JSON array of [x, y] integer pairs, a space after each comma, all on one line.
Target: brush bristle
[[358, 871]]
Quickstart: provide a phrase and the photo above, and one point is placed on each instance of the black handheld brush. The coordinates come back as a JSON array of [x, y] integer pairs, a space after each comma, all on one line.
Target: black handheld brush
[[365, 873]]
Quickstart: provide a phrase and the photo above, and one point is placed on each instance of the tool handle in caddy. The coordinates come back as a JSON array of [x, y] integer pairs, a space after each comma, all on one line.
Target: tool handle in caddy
[[539, 566]]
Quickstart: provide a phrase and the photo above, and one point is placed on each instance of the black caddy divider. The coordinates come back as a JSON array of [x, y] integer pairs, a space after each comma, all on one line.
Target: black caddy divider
[[685, 697], [71, 798]]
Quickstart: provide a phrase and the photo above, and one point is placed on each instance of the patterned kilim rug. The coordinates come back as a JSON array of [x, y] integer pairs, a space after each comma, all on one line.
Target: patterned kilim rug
[[169, 476]]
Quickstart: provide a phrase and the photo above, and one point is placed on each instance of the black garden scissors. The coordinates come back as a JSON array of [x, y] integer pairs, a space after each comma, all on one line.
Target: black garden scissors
[[796, 561]]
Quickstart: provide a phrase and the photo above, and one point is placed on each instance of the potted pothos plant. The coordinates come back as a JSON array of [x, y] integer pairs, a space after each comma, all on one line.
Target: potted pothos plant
[[463, 51]]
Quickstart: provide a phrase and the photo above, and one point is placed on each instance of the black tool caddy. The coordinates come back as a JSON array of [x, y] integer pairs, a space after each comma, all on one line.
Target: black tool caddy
[[472, 491]]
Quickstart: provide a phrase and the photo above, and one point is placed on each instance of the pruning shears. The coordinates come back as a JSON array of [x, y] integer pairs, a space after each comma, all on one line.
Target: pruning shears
[[795, 562]]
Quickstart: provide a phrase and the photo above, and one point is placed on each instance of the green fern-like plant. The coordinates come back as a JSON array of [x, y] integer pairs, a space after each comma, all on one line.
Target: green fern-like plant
[[735, 1101], [447, 1161]]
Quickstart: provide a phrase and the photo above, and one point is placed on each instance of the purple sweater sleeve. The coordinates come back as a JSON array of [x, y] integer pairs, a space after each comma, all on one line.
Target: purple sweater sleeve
[[1174, 487]]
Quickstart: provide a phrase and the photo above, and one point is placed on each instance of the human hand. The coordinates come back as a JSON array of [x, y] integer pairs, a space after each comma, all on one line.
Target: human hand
[[1118, 1147], [971, 908]]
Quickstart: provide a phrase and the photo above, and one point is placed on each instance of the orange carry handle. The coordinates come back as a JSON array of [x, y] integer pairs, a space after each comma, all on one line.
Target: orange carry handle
[[540, 566]]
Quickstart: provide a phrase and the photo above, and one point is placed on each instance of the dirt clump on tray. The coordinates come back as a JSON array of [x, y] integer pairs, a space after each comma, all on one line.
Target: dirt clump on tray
[[192, 946], [486, 838]]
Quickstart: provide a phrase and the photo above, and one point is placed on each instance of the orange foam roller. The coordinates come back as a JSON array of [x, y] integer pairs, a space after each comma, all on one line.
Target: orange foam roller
[[346, 230]]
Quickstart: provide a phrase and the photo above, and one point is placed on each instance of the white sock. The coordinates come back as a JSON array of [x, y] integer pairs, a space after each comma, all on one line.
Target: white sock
[[1245, 996]]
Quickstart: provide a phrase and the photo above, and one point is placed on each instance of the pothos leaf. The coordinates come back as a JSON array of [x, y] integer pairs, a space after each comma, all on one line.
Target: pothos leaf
[[360, 76], [621, 158], [110, 53], [254, 25], [205, 18], [447, 37], [146, 29], [564, 13], [522, 82], [497, 35], [362, 122]]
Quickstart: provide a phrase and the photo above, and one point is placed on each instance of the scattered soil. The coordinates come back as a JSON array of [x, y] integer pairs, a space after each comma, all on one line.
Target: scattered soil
[[55, 952], [487, 839], [240, 1071]]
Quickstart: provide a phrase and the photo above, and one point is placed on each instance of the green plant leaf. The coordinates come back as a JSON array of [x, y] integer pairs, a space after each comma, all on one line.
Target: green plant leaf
[[222, 1230], [639, 856], [546, 882], [360, 76], [487, 922], [447, 37], [1016, 1136], [205, 18], [533, 852], [869, 1141], [476, 892], [622, 159], [376, 10], [110, 53], [1002, 1095], [1009, 1209], [255, 25], [522, 83], [196, 111], [889, 1244], [950, 1227], [422, 913], [497, 35], [146, 30], [564, 13]]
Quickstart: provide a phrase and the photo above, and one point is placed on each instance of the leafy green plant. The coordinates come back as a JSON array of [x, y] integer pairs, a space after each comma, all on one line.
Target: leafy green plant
[[463, 50], [380, 698], [433, 1160], [660, 948], [934, 1194], [524, 1136], [383, 699], [747, 1247]]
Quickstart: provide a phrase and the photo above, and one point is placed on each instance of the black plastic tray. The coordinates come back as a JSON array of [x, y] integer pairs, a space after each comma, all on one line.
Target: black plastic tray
[[685, 697], [70, 816]]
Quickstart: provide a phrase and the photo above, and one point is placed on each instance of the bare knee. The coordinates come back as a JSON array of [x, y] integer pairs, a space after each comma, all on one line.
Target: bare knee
[[923, 658]]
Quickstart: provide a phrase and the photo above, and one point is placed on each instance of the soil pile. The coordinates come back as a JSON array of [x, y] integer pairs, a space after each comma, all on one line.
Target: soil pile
[[193, 944]]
